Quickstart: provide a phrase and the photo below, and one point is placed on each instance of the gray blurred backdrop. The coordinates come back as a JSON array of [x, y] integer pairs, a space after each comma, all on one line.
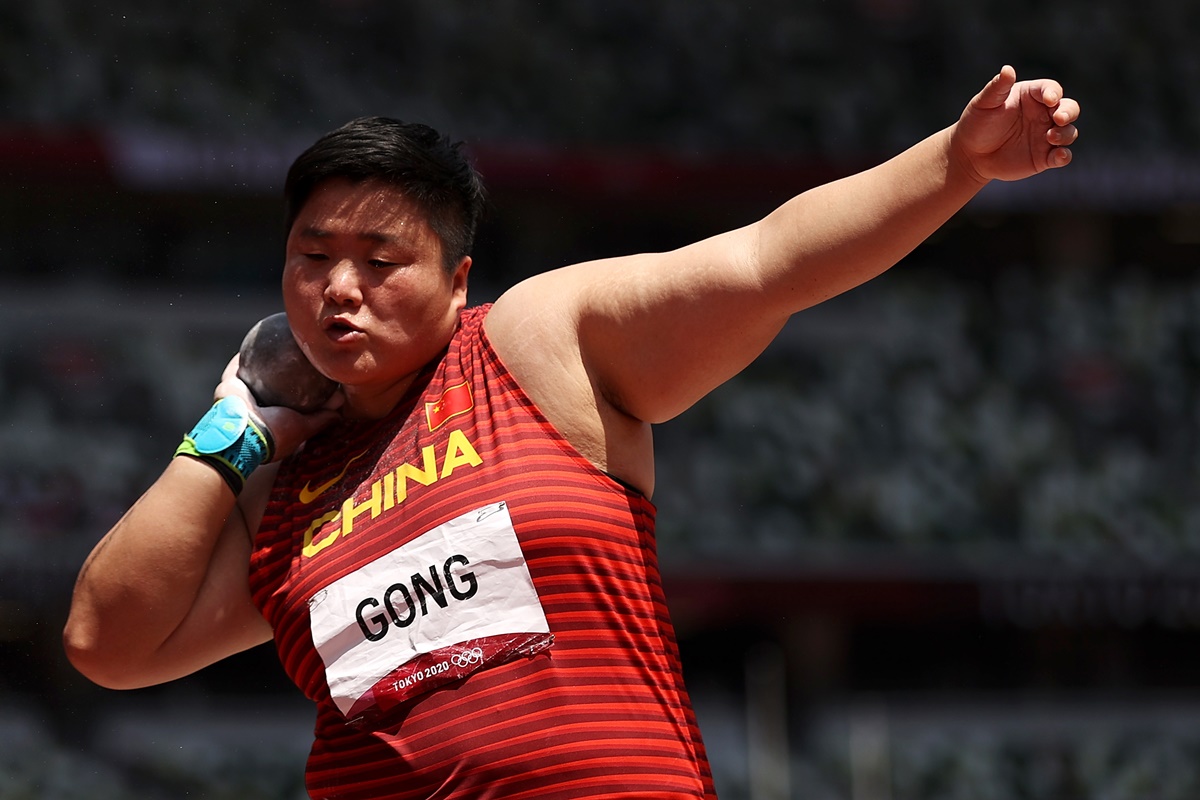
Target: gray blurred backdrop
[[941, 541]]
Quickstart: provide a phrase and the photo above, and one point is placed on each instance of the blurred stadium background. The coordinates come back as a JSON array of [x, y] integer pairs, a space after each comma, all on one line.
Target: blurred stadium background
[[940, 542]]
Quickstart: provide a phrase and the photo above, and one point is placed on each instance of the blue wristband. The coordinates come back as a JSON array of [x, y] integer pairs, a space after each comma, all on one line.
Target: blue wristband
[[230, 440]]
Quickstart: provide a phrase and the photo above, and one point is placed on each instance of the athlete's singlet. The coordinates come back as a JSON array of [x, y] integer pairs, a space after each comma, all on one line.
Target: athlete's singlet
[[474, 607]]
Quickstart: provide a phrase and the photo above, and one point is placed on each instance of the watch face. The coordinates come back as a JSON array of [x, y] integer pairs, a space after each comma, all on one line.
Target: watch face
[[223, 425]]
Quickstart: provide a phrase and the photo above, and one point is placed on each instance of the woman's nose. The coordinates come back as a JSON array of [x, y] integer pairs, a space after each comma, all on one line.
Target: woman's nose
[[343, 286]]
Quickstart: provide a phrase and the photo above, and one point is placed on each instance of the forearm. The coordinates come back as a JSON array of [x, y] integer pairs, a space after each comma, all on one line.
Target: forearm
[[142, 580], [834, 237]]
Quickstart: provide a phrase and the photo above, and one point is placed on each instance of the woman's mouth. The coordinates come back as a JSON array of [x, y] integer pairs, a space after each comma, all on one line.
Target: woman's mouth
[[340, 328]]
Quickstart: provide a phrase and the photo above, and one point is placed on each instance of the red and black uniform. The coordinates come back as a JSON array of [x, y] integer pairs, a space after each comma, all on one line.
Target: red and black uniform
[[415, 538]]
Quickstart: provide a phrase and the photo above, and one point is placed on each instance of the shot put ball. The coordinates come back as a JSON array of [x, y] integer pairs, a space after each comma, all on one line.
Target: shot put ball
[[278, 373]]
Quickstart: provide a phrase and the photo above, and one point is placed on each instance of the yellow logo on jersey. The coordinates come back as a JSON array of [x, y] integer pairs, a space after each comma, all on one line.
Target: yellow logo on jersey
[[308, 494]]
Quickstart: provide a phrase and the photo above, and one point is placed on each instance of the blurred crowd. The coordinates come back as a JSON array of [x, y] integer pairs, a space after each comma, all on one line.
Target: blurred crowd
[[1035, 414], [829, 78], [94, 409], [1034, 411], [1052, 412], [1029, 412], [1055, 752]]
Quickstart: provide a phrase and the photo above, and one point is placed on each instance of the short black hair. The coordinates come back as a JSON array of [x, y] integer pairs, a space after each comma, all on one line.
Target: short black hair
[[424, 164]]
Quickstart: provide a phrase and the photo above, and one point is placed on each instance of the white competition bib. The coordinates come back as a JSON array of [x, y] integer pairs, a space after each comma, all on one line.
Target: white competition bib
[[450, 602]]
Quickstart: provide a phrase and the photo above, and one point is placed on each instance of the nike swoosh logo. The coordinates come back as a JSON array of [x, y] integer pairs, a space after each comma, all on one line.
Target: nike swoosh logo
[[309, 494]]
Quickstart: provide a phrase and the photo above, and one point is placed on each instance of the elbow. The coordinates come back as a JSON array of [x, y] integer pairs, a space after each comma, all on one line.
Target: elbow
[[99, 665]]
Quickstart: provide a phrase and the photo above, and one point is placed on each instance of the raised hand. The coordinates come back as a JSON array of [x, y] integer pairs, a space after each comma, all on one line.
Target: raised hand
[[1012, 130]]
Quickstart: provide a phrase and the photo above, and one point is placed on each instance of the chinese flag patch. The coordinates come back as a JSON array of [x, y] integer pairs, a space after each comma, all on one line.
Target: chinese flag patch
[[454, 401]]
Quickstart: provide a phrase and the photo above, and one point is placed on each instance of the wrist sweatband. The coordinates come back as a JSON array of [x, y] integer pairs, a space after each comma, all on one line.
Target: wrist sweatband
[[229, 439]]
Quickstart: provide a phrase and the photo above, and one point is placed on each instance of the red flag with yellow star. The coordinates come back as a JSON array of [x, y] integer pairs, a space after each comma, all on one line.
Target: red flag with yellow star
[[454, 401]]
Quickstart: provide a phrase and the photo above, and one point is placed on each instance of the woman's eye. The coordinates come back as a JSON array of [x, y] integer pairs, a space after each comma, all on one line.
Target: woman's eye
[[316, 256], [378, 262]]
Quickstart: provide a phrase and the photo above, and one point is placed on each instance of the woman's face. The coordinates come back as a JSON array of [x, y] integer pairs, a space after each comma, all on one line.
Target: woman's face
[[366, 291]]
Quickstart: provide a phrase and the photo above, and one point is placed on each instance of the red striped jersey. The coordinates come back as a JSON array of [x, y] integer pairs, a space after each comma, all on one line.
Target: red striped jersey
[[474, 607]]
